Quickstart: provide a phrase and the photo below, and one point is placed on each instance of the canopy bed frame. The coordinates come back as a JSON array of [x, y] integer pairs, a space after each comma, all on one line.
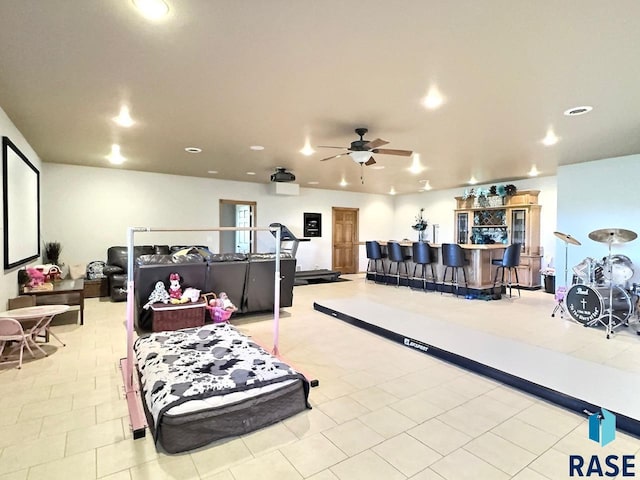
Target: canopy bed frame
[[132, 388]]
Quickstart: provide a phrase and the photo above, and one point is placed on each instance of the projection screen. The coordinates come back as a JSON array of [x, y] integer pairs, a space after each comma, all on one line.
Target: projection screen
[[21, 195]]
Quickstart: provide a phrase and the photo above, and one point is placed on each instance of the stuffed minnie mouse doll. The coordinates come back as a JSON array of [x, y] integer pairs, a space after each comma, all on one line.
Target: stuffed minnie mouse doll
[[175, 291]]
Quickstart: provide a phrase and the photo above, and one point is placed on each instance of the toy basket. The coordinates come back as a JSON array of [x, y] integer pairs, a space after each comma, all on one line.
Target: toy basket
[[217, 314]]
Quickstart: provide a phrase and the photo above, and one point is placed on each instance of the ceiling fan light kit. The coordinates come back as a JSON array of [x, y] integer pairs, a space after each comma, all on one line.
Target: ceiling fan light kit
[[361, 157], [361, 150]]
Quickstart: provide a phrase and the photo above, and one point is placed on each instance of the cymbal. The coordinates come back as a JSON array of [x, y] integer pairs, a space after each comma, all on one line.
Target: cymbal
[[567, 238], [613, 235]]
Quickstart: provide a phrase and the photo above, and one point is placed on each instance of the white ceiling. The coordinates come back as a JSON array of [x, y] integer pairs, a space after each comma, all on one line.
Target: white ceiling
[[224, 75]]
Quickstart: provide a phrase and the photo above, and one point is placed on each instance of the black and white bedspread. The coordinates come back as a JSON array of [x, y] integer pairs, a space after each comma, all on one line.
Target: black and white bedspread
[[196, 363]]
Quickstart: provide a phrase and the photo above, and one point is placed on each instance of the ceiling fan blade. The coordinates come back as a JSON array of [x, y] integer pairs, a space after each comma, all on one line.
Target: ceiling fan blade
[[378, 142], [333, 156], [328, 146], [391, 151], [371, 161]]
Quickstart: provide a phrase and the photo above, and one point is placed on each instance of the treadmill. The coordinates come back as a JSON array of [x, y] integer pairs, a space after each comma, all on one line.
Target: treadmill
[[289, 244]]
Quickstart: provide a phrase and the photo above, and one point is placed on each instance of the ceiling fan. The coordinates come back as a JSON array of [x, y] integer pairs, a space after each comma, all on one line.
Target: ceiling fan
[[361, 150]]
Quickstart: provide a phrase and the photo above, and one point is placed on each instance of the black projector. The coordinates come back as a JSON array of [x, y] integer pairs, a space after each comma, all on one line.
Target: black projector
[[281, 175]]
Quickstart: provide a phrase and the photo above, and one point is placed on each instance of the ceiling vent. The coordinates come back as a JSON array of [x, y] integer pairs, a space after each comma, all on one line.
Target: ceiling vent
[[281, 175]]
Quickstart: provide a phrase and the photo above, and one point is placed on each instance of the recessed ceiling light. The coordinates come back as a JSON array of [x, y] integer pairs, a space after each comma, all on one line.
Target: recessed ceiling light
[[376, 167], [193, 149], [313, 183], [251, 173], [343, 183], [392, 191], [433, 99], [115, 157], [534, 172], [307, 150], [212, 172], [416, 167], [574, 111], [550, 138], [427, 185], [472, 181], [256, 148], [124, 117], [152, 9]]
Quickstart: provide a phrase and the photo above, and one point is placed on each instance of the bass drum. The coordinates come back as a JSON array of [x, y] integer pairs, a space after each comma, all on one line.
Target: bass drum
[[586, 303]]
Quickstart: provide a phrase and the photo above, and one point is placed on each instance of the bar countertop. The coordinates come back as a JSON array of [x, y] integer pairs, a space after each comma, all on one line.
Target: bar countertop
[[480, 269], [466, 246]]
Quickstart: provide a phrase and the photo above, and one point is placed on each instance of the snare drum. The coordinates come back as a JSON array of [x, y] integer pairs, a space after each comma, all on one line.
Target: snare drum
[[587, 303]]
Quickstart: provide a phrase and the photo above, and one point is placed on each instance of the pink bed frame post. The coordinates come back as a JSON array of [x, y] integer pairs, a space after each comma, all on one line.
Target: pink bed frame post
[[276, 312], [137, 417], [276, 297]]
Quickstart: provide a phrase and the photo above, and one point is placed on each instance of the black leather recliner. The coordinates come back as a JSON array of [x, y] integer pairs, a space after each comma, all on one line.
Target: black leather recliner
[[259, 286], [116, 268]]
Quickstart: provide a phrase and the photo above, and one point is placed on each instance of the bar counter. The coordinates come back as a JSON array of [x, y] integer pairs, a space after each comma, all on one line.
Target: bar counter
[[480, 271]]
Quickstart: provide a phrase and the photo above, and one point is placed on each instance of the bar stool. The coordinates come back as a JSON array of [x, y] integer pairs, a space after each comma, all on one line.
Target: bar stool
[[422, 256], [394, 251], [510, 261], [453, 258], [374, 254]]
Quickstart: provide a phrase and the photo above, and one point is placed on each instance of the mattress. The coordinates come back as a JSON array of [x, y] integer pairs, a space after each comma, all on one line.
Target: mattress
[[203, 384]]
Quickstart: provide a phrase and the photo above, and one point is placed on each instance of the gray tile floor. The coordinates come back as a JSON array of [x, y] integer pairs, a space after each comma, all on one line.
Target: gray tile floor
[[382, 411]]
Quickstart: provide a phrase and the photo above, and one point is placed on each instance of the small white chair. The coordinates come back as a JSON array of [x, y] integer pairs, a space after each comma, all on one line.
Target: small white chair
[[12, 331]]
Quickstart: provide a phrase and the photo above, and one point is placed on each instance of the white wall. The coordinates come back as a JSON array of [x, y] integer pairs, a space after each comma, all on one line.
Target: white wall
[[89, 209], [439, 206], [9, 278], [597, 195]]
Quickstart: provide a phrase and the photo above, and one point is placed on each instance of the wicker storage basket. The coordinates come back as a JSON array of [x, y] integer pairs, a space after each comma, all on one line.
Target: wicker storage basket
[[175, 317], [216, 314]]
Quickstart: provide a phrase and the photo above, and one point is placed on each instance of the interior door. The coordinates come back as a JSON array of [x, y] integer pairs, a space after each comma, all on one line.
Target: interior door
[[237, 213], [345, 240], [243, 219]]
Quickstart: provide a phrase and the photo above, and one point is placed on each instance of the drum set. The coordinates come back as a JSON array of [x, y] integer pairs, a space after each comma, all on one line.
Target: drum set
[[600, 292]]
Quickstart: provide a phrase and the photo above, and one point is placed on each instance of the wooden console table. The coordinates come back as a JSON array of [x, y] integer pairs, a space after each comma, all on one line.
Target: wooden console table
[[98, 287], [67, 292]]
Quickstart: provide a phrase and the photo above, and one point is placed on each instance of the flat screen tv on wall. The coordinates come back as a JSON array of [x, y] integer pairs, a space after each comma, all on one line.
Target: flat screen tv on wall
[[21, 195]]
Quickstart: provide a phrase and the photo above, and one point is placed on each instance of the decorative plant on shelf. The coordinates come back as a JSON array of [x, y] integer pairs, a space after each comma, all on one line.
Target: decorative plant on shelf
[[52, 252], [482, 194], [420, 225]]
